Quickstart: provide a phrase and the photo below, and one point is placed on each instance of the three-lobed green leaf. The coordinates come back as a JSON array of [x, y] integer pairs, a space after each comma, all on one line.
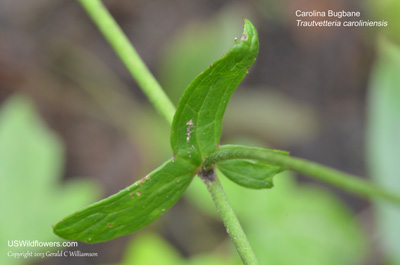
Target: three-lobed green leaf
[[196, 131]]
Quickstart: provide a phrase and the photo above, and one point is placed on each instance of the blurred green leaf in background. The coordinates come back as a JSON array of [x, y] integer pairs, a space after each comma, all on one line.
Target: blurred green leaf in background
[[31, 164], [383, 142]]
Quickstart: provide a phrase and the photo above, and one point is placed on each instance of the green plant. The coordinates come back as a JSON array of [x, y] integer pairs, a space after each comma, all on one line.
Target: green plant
[[196, 131]]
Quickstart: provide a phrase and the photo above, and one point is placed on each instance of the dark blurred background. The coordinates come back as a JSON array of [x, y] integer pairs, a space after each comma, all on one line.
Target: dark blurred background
[[306, 93]]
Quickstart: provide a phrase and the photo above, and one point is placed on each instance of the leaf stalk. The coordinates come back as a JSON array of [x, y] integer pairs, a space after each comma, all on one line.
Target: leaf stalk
[[337, 178]]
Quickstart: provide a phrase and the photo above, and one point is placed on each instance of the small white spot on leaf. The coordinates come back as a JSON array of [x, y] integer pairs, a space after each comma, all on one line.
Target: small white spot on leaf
[[190, 125]]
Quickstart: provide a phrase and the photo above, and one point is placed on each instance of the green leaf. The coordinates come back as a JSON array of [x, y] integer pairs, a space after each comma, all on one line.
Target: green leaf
[[197, 124], [250, 173], [31, 164], [132, 208], [384, 143]]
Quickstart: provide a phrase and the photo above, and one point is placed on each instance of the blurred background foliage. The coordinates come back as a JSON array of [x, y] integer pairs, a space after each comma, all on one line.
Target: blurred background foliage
[[331, 95], [32, 197]]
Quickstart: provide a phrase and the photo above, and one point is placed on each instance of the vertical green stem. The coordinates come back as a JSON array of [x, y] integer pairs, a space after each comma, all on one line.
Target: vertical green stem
[[231, 222], [128, 55]]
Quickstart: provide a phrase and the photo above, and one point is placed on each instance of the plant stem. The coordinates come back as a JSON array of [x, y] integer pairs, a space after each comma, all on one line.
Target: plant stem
[[128, 55], [340, 179], [232, 225]]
